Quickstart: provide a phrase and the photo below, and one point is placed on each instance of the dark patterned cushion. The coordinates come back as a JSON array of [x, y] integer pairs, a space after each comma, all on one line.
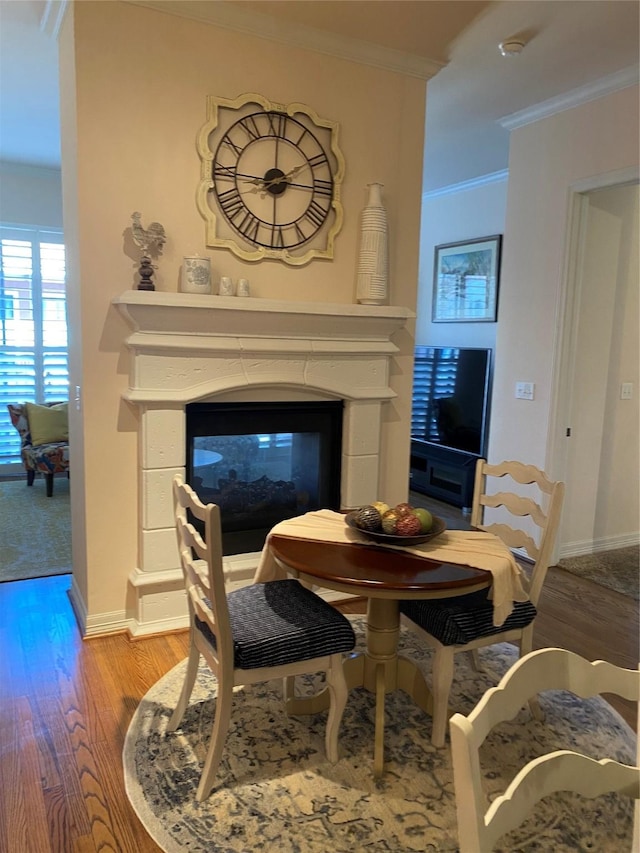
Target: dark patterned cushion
[[280, 622], [50, 458], [456, 621]]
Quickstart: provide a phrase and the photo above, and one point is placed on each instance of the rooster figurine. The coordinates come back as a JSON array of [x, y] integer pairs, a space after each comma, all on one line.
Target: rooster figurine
[[148, 240]]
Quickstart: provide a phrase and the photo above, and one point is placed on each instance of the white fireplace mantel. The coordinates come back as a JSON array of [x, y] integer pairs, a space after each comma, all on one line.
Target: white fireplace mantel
[[195, 316], [185, 348]]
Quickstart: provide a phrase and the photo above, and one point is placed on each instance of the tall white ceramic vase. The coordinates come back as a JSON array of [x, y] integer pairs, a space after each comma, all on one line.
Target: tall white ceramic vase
[[372, 285]]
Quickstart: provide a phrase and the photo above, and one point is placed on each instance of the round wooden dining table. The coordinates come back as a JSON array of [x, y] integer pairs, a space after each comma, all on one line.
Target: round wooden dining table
[[383, 576]]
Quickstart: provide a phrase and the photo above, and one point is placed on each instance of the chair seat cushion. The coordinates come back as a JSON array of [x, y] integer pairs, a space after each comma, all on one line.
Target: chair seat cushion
[[457, 621], [50, 458], [281, 622]]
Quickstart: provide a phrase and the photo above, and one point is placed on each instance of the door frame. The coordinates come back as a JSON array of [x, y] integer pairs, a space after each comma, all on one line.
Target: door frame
[[567, 327]]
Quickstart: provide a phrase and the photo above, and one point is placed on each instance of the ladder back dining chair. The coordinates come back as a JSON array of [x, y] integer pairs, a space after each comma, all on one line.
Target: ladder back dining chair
[[465, 623], [480, 824], [256, 633]]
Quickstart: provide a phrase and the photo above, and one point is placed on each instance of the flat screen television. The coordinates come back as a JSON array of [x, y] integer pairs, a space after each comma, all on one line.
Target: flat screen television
[[451, 392]]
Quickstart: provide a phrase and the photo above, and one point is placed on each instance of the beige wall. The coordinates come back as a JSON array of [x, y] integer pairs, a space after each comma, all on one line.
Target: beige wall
[[546, 159], [134, 84]]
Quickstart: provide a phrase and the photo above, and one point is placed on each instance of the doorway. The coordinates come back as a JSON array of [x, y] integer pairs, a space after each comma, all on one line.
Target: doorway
[[598, 413]]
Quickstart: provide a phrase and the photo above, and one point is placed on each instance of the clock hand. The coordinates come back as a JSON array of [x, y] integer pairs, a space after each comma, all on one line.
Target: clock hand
[[230, 175], [299, 186], [284, 178], [259, 185]]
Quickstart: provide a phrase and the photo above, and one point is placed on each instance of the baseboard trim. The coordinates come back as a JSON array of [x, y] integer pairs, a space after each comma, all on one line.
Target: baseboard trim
[[160, 602], [594, 546]]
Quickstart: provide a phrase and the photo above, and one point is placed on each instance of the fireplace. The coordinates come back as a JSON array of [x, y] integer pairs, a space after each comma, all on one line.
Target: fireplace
[[262, 463], [192, 349]]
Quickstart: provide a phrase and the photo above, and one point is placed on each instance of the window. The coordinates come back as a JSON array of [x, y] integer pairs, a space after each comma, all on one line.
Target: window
[[33, 326], [434, 378]]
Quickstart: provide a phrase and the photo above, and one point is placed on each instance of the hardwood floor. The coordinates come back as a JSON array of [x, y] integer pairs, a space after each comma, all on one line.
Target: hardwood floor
[[65, 704]]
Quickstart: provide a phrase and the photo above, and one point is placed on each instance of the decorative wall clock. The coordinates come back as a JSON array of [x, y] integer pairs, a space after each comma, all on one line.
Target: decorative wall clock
[[270, 183]]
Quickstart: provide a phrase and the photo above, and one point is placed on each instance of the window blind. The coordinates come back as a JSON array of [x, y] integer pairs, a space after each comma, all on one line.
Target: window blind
[[434, 377], [33, 327]]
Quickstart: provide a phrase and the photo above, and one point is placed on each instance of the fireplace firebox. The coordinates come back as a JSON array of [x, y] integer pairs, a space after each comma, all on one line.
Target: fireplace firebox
[[263, 462]]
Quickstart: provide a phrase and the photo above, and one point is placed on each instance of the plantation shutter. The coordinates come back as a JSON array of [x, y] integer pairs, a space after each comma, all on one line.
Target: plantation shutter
[[434, 377], [33, 327]]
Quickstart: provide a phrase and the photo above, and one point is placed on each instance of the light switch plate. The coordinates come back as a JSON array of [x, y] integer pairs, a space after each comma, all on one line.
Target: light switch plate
[[525, 390]]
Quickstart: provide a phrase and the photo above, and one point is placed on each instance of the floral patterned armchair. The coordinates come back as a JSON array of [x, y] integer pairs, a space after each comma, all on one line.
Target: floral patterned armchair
[[47, 450]]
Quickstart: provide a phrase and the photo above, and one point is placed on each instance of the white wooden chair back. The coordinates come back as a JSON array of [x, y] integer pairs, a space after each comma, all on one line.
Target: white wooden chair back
[[538, 547], [480, 825], [202, 566], [256, 633]]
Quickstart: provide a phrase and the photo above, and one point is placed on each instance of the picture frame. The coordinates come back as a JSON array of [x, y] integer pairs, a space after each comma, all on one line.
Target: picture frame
[[466, 277]]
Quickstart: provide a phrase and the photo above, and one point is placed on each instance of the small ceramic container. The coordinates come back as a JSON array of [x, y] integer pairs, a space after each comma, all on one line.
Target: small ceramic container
[[196, 275], [226, 286]]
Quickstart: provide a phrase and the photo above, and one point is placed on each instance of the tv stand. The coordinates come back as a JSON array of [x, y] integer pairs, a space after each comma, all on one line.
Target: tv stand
[[441, 473]]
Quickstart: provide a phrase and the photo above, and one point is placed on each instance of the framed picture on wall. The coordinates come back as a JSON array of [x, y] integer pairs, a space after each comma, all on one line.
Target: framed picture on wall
[[465, 281]]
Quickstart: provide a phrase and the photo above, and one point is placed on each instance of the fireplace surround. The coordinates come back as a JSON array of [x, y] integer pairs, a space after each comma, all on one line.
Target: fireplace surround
[[186, 348]]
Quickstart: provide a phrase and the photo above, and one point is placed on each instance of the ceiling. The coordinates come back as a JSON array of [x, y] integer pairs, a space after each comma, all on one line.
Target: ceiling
[[574, 50]]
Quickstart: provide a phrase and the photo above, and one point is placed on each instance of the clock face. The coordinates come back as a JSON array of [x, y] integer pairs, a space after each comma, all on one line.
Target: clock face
[[273, 180]]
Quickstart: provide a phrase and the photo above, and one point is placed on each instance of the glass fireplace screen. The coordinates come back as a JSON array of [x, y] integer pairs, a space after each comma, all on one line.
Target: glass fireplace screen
[[262, 463]]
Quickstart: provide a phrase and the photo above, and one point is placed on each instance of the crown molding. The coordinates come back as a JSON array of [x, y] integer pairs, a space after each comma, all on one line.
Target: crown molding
[[471, 184], [9, 167], [574, 98], [52, 17], [229, 16], [617, 177]]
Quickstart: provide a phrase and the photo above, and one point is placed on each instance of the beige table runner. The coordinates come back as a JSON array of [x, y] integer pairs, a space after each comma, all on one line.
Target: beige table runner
[[476, 549]]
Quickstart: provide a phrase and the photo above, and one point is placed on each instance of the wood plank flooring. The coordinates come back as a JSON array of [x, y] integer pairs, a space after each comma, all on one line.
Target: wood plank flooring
[[65, 704]]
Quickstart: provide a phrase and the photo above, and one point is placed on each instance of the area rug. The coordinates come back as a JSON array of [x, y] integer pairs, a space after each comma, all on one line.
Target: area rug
[[618, 569], [35, 531], [277, 792]]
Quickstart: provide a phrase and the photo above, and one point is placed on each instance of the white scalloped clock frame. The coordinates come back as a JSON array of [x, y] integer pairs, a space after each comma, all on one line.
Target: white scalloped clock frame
[[217, 235]]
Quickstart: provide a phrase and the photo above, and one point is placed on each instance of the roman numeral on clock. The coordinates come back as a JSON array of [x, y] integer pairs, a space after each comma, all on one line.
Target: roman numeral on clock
[[323, 188], [227, 172], [277, 237], [318, 160], [248, 124], [316, 214], [231, 144], [249, 225], [231, 202], [277, 125]]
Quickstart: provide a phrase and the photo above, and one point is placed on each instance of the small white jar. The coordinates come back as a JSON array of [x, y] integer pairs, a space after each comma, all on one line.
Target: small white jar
[[226, 286], [243, 287], [196, 275]]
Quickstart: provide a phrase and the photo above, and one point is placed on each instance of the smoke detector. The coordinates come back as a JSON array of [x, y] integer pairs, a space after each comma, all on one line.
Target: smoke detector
[[511, 47]]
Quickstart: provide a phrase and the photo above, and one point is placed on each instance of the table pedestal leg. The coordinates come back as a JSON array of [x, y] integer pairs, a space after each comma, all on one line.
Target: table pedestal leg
[[380, 669], [411, 680]]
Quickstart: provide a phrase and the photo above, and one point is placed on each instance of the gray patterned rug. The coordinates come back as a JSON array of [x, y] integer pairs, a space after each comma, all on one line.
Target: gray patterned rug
[[618, 569], [277, 792], [35, 531]]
